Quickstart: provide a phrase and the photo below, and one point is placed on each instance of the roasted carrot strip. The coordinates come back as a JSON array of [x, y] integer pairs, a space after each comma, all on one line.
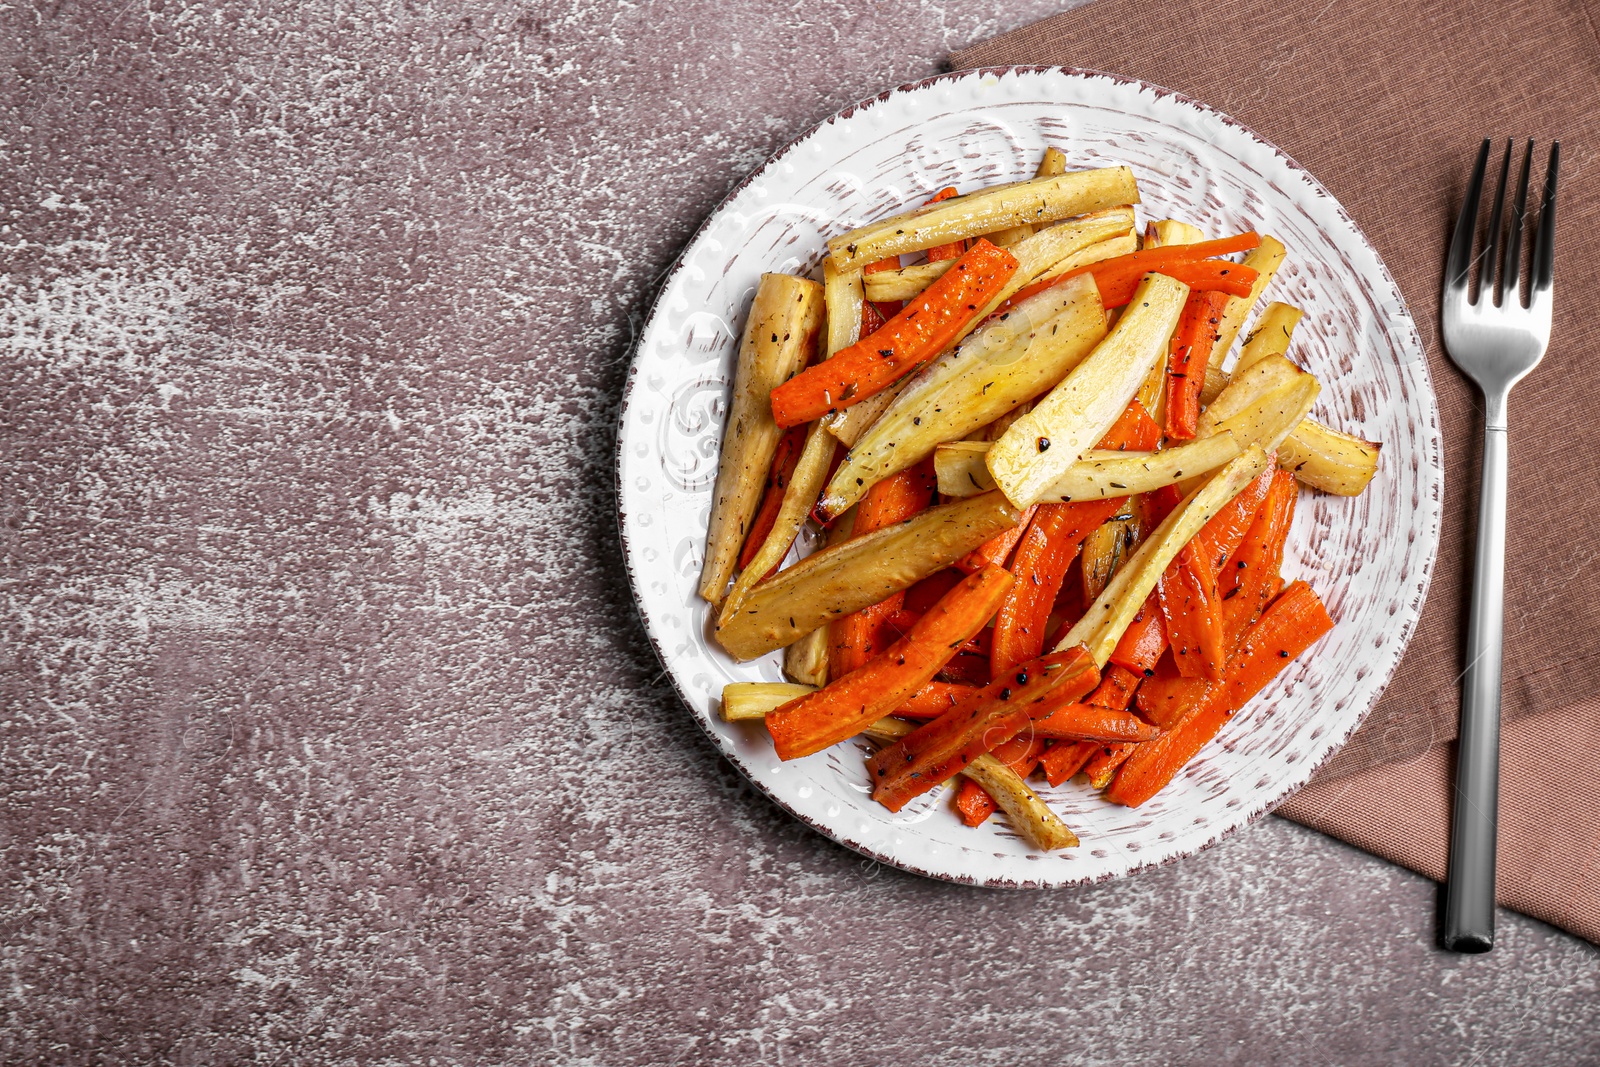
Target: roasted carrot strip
[[922, 329], [936, 698], [1190, 354], [967, 668], [1064, 759], [1048, 547], [1193, 611], [1143, 642], [1250, 580], [1162, 260], [783, 463], [1220, 538], [844, 707], [856, 638], [1116, 689], [873, 316], [973, 803], [1072, 721], [1050, 544], [1021, 754], [926, 593], [1134, 430], [1166, 694], [954, 249], [1287, 628], [995, 551], [1220, 275], [939, 749], [1102, 766]]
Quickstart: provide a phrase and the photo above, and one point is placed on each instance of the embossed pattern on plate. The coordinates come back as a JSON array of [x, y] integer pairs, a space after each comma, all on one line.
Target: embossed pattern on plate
[[1369, 557]]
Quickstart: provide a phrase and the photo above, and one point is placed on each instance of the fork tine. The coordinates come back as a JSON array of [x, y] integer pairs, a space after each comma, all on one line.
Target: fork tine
[[1460, 261], [1519, 217], [1491, 243], [1544, 242]]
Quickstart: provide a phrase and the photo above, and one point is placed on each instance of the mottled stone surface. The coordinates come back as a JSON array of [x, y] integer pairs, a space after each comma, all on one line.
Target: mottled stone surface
[[329, 734]]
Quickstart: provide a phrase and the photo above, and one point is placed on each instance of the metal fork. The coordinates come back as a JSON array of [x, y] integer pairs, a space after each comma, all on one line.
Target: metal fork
[[1495, 340]]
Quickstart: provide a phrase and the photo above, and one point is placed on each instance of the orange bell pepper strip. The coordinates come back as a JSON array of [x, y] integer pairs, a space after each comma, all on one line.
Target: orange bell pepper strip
[[1144, 640], [1160, 260], [939, 749], [922, 329], [1064, 759], [1190, 354], [1290, 625], [845, 706], [1047, 549], [856, 638], [1193, 610], [783, 464], [1251, 579]]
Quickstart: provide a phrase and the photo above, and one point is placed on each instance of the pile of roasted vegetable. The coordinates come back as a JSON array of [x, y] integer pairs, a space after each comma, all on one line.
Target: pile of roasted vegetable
[[1040, 451]]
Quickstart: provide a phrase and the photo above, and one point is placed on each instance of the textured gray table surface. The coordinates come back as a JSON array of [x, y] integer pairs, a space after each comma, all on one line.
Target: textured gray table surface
[[328, 731]]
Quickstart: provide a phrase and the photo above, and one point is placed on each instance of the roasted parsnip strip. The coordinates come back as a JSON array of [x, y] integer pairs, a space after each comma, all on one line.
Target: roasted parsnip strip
[[1008, 362], [842, 290], [1270, 337], [1103, 624], [743, 701], [1327, 459], [810, 472], [1040, 446], [860, 572], [1265, 258], [1167, 232], [848, 425], [1048, 253], [806, 660], [1039, 200], [1245, 388], [1053, 163], [1030, 816], [1270, 417], [1172, 232], [779, 335], [1100, 475], [961, 468]]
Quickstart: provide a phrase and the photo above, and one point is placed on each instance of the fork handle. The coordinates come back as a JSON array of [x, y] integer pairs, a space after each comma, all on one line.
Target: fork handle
[[1469, 892]]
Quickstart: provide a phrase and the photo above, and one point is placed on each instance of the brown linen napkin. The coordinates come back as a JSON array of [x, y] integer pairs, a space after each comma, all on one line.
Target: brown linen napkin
[[1549, 862], [1386, 103]]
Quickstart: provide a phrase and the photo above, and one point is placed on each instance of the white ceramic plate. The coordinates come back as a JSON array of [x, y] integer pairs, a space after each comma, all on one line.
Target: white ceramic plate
[[1369, 557]]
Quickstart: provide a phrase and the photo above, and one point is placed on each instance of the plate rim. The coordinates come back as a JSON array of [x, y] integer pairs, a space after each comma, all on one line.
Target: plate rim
[[1257, 810]]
